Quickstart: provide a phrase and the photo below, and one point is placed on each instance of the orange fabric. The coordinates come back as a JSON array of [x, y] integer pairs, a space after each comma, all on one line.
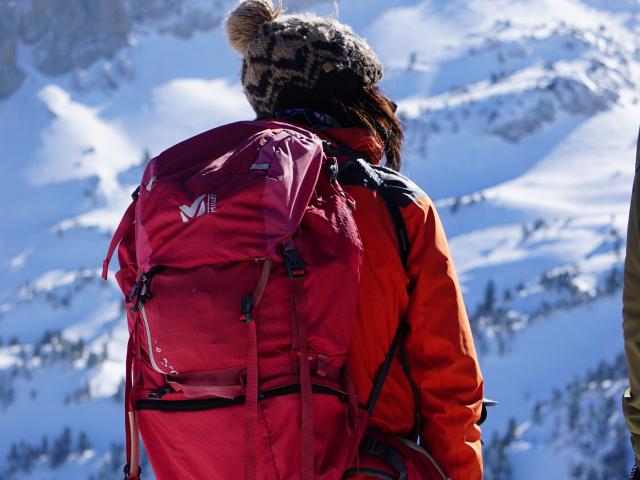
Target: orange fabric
[[440, 347], [359, 140]]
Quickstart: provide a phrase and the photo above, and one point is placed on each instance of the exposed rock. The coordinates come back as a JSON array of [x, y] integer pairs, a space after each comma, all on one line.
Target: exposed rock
[[181, 18], [576, 97], [68, 35], [33, 20], [144, 10], [518, 123], [11, 76], [77, 32]]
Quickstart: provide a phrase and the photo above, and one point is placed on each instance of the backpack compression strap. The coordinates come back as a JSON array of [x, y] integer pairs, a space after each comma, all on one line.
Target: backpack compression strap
[[127, 220], [132, 470]]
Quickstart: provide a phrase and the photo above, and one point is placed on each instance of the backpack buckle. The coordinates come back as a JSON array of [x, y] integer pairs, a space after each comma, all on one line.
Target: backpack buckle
[[332, 169], [129, 476], [293, 264], [247, 309]]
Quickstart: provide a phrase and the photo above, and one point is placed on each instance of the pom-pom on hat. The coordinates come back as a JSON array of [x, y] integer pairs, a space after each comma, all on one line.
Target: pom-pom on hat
[[304, 53]]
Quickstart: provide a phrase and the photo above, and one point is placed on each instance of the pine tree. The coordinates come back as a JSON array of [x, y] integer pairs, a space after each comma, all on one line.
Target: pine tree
[[614, 462], [613, 281], [573, 414], [13, 458], [84, 443], [61, 448], [92, 360], [119, 395], [497, 464], [44, 446], [512, 430], [116, 457], [537, 413], [413, 59], [489, 302], [592, 475]]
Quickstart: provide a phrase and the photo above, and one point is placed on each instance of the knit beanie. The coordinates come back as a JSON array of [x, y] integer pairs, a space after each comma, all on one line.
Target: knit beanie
[[297, 55]]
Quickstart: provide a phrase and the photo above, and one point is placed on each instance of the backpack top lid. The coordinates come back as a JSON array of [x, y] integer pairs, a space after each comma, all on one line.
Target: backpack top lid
[[244, 186]]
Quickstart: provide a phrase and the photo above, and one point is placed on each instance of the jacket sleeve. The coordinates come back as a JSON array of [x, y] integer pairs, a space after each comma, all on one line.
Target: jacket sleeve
[[631, 318], [440, 349]]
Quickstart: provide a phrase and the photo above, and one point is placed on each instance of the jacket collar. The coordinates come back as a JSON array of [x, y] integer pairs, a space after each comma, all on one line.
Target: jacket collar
[[359, 140]]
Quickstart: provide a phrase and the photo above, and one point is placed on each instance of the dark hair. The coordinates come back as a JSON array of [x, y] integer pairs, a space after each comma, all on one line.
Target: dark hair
[[352, 105]]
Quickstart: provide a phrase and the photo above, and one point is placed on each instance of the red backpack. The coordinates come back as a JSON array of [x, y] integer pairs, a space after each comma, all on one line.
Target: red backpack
[[240, 263]]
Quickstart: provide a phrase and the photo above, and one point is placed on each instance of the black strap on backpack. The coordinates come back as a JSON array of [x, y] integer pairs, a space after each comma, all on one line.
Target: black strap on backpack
[[397, 347], [389, 455], [392, 205]]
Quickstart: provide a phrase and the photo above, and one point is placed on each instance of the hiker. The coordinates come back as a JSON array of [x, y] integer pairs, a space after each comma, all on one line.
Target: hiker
[[631, 320], [286, 291], [316, 73]]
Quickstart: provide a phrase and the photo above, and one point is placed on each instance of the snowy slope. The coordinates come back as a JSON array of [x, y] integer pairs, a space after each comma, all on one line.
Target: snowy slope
[[536, 117], [521, 120]]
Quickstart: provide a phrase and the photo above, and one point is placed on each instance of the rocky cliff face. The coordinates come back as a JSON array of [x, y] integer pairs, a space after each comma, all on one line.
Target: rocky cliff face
[[64, 35], [10, 75]]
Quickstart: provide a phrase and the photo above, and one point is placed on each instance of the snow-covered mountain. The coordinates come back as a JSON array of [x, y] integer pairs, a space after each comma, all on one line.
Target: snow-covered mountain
[[521, 119]]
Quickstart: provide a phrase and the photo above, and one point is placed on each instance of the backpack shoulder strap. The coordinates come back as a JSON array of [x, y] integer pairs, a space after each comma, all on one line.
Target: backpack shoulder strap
[[372, 179], [356, 170]]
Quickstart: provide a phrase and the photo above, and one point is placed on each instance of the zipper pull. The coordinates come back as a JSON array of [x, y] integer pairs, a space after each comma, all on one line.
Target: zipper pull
[[145, 292], [134, 291], [145, 284], [158, 393], [139, 293], [141, 290]]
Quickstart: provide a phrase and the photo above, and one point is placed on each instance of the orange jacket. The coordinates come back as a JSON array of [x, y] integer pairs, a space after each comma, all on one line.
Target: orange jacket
[[440, 348]]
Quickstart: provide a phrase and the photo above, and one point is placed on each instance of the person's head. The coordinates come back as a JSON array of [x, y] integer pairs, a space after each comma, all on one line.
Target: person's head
[[312, 62]]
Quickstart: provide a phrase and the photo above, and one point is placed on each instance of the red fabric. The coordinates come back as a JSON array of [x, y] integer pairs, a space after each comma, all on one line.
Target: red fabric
[[251, 406], [210, 211], [250, 216], [125, 224], [127, 405], [306, 399]]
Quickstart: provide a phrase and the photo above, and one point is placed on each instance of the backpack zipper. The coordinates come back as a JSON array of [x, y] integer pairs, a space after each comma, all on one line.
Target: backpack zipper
[[190, 405], [158, 393]]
